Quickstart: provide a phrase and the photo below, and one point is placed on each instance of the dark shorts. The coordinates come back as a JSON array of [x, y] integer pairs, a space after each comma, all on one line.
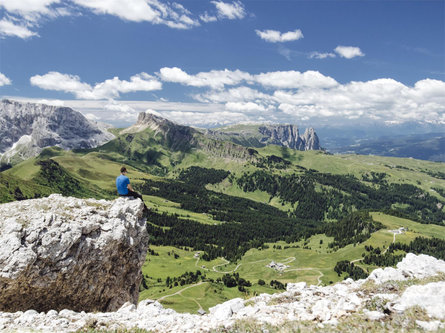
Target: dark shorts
[[132, 194]]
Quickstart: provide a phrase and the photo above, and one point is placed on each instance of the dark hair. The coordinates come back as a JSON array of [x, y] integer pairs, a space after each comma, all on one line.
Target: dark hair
[[123, 169]]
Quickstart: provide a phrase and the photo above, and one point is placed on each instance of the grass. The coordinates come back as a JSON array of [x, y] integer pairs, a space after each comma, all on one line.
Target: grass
[[233, 189], [400, 170], [415, 229], [313, 264], [166, 206]]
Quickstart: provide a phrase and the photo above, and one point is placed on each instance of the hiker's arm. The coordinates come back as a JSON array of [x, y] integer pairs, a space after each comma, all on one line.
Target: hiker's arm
[[130, 188]]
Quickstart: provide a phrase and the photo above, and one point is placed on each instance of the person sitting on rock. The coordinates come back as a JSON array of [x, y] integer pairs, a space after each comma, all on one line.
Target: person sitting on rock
[[125, 189]]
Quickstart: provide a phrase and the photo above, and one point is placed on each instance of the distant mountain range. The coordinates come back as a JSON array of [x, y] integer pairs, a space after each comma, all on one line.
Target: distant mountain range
[[430, 146], [27, 128], [263, 135]]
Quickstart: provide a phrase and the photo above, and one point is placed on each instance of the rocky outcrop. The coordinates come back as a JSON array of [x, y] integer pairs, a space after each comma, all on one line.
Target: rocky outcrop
[[27, 128], [184, 138], [282, 135], [66, 253], [260, 136], [375, 304], [175, 137], [288, 136], [310, 140]]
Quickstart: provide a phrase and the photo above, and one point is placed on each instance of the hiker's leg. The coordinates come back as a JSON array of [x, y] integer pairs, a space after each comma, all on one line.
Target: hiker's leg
[[134, 194], [137, 195]]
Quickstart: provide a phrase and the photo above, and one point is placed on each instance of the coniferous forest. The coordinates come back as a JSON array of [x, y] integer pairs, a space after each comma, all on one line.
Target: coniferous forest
[[335, 205]]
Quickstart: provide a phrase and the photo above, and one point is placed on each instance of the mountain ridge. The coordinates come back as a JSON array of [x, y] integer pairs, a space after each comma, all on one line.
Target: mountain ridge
[[27, 128], [261, 135]]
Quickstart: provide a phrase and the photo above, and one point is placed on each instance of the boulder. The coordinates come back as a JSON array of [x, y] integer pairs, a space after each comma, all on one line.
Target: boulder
[[66, 253], [411, 267], [430, 297]]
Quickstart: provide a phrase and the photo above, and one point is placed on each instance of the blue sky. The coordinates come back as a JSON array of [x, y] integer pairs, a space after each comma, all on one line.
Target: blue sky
[[219, 62]]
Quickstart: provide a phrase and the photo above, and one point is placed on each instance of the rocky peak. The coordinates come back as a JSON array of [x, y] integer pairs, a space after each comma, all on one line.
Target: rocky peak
[[176, 137], [27, 128], [152, 121], [288, 136], [66, 253], [310, 139], [251, 135], [282, 135]]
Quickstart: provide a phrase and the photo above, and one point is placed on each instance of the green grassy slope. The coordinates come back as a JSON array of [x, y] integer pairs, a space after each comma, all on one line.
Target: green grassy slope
[[151, 156], [312, 263]]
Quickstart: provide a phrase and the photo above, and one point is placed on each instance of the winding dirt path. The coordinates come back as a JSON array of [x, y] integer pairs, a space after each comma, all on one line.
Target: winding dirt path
[[226, 262], [180, 291]]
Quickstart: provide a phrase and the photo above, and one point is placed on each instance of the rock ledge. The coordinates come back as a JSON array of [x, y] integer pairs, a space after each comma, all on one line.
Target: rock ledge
[[66, 253]]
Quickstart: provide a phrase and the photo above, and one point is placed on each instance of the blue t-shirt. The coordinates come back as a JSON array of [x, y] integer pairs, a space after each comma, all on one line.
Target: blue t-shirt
[[121, 184]]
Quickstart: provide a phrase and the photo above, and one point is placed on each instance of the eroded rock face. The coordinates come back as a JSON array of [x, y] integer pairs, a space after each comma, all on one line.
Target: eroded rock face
[[288, 136], [68, 253], [27, 128]]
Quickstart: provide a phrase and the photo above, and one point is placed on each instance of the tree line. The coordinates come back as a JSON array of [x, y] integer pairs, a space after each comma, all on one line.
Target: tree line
[[323, 196]]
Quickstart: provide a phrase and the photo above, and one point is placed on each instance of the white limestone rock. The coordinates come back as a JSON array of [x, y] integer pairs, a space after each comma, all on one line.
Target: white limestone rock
[[54, 253], [324, 305], [373, 315], [411, 267], [431, 297], [27, 128], [227, 309], [429, 325], [296, 287]]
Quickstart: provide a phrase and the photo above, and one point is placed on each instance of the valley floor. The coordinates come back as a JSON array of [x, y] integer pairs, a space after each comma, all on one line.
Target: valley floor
[[310, 261], [408, 298]]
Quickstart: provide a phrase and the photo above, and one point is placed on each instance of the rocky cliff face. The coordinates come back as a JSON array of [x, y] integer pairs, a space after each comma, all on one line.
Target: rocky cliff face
[[27, 128], [67, 253], [260, 136], [288, 136], [184, 138], [175, 137], [310, 140], [409, 297]]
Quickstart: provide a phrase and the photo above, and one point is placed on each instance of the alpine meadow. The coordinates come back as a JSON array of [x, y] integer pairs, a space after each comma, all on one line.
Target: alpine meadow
[[230, 221], [222, 166]]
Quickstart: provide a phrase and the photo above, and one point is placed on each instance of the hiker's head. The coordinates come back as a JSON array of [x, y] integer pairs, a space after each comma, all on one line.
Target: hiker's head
[[123, 170]]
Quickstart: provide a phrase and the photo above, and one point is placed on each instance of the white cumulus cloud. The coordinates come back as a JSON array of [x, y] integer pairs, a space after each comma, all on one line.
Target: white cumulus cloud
[[9, 28], [349, 52], [381, 99], [318, 55], [231, 11], [206, 17], [110, 88], [247, 106], [23, 17], [295, 79], [28, 7], [54, 102], [216, 79], [4, 80], [274, 36], [238, 94], [173, 15], [61, 82], [285, 96]]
